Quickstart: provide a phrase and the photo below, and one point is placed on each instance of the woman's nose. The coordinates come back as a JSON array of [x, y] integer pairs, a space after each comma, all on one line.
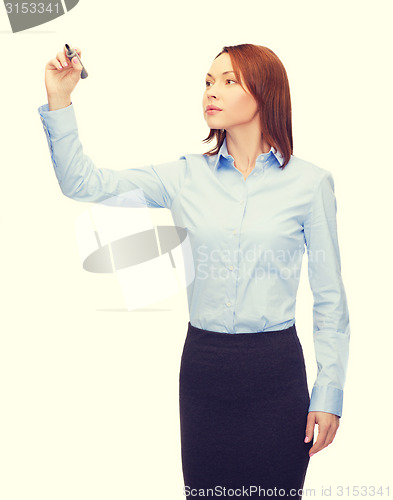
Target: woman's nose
[[211, 91]]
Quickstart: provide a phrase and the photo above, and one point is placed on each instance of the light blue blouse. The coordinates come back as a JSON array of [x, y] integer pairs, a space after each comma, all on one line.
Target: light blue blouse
[[248, 237]]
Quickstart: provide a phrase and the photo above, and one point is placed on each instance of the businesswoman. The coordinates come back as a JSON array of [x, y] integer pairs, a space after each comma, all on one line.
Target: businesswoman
[[250, 207]]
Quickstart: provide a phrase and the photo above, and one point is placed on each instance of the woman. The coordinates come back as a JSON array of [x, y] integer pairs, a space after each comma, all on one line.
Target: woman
[[249, 207]]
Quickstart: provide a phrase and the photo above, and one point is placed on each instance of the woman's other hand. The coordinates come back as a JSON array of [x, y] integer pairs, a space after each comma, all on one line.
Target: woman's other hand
[[328, 423]]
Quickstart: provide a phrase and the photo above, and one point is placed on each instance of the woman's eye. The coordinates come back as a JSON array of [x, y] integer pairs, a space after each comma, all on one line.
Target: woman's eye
[[208, 84]]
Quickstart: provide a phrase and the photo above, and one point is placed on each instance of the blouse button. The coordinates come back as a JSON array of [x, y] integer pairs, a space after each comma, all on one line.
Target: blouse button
[[229, 304], [230, 268]]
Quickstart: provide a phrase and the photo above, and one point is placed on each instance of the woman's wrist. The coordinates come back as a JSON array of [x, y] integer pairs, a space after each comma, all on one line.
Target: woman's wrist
[[58, 102]]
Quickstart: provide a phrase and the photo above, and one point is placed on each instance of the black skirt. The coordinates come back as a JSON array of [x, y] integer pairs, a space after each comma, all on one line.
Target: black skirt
[[243, 411]]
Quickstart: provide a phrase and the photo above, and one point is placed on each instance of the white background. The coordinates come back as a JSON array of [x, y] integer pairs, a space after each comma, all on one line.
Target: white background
[[89, 391]]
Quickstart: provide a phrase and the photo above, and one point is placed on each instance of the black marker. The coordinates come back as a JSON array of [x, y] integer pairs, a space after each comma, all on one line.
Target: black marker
[[72, 53]]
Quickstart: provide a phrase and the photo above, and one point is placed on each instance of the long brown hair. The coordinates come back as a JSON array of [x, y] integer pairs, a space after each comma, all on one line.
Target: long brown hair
[[265, 77]]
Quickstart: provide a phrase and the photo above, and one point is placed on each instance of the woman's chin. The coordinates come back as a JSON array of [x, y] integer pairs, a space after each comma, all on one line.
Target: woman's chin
[[214, 123]]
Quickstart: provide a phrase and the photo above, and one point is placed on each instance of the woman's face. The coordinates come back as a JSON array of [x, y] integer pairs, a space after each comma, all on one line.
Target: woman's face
[[223, 91]]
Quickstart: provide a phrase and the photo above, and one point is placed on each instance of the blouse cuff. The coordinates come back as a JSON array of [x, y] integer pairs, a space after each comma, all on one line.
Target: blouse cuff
[[326, 398]]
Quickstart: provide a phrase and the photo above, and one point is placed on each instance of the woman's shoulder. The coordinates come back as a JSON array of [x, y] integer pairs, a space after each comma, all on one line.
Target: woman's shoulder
[[197, 157], [307, 169], [197, 161]]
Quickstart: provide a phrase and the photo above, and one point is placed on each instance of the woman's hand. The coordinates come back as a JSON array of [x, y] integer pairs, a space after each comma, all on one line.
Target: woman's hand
[[62, 75], [328, 424]]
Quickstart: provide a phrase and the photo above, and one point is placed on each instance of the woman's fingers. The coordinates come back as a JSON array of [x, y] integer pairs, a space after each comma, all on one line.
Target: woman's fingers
[[61, 57], [55, 63], [77, 50], [62, 60]]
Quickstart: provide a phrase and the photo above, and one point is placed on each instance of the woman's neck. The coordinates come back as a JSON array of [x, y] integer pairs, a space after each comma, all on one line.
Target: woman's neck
[[246, 148]]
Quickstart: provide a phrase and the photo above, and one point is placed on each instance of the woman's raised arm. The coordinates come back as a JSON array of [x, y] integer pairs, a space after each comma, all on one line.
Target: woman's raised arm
[[76, 173]]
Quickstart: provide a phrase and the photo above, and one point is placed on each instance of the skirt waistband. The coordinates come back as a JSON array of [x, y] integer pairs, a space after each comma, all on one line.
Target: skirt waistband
[[196, 330], [274, 344]]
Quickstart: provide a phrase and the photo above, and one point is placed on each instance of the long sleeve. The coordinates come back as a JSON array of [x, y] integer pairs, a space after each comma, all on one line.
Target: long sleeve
[[331, 327], [81, 180]]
